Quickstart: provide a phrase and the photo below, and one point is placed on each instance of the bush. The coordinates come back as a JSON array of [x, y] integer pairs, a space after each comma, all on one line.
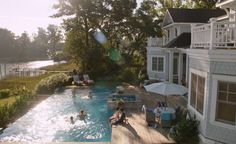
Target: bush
[[128, 75], [186, 131], [49, 84], [7, 111], [4, 93]]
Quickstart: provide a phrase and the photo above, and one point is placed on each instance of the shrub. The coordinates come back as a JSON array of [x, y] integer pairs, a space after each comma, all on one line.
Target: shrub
[[186, 131], [49, 84], [4, 93], [128, 75]]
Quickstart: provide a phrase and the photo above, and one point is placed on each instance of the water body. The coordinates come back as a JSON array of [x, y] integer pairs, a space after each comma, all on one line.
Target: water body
[[5, 68], [50, 121]]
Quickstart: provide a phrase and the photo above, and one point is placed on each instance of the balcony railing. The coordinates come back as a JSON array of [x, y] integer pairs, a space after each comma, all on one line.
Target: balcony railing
[[215, 35], [154, 42]]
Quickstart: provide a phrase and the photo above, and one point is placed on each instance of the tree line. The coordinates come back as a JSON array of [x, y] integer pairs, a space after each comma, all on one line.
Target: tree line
[[42, 45]]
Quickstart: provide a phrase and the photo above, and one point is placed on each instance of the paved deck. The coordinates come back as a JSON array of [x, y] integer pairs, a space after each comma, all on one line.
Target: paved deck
[[137, 131]]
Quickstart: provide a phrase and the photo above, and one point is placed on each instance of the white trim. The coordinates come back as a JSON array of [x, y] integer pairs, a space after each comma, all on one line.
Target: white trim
[[202, 74], [180, 23], [215, 79], [220, 4], [167, 13], [158, 56]]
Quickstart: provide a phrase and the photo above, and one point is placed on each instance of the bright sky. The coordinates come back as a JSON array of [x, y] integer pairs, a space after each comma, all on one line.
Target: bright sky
[[27, 15]]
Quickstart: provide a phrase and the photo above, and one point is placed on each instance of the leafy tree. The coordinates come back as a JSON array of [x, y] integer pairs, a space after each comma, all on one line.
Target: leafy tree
[[23, 46], [204, 4], [54, 38], [7, 43]]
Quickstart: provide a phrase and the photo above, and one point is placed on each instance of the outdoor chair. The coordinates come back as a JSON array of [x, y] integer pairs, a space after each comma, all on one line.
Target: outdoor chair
[[77, 80], [166, 119], [87, 79]]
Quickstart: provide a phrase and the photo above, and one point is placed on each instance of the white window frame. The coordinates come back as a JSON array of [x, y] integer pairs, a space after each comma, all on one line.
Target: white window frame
[[202, 74], [215, 80], [157, 64]]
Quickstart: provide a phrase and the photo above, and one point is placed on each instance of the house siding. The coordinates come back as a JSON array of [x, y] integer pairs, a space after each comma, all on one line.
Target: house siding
[[158, 53], [202, 65], [215, 131]]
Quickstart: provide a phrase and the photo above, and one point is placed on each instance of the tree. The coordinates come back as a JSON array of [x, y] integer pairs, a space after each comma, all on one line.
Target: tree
[[40, 44], [54, 38], [7, 43], [23, 46], [205, 4]]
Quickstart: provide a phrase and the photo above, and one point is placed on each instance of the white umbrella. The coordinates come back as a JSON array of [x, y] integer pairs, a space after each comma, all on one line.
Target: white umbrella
[[166, 88]]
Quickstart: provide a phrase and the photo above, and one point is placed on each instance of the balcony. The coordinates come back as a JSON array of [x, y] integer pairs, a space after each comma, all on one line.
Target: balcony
[[215, 35], [154, 42]]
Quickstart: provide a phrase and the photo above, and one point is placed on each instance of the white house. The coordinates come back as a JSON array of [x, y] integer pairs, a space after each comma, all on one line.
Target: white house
[[210, 68]]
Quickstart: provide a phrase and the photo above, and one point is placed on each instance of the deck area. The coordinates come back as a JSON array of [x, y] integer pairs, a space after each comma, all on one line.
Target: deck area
[[137, 130]]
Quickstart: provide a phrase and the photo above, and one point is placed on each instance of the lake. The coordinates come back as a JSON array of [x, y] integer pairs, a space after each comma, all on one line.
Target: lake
[[5, 68]]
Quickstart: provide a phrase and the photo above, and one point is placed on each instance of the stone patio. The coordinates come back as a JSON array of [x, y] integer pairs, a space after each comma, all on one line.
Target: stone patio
[[137, 130]]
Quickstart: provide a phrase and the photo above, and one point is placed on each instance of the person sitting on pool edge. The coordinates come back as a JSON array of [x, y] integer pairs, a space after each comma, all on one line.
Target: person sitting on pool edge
[[116, 115], [122, 118], [82, 115]]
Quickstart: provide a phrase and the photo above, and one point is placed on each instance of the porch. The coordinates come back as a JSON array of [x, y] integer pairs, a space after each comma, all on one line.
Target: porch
[[214, 35]]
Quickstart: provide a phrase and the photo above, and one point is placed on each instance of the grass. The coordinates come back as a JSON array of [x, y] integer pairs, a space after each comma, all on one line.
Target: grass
[[9, 100], [61, 67], [18, 82], [28, 82]]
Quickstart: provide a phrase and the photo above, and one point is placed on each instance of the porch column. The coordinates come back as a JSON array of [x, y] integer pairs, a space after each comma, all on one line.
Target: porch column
[[180, 68], [171, 55], [187, 70], [212, 34]]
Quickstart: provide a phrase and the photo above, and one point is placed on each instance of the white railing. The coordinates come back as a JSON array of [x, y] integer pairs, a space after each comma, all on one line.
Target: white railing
[[166, 40], [215, 35], [154, 42]]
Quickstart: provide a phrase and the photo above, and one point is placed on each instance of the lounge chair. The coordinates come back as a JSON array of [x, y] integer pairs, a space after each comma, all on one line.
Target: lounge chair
[[77, 80], [87, 79]]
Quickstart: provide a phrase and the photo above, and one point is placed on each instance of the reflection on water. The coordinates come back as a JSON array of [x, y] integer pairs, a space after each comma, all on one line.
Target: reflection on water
[[50, 120]]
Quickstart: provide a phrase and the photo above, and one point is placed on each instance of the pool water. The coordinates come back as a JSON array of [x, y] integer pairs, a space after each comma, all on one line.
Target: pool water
[[50, 120]]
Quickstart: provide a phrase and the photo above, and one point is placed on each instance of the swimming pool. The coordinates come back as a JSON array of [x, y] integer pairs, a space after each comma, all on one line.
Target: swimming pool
[[50, 120]]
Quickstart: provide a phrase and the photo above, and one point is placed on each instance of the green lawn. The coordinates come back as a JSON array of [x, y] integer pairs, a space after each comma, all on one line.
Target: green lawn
[[8, 100], [28, 82], [61, 67], [18, 82]]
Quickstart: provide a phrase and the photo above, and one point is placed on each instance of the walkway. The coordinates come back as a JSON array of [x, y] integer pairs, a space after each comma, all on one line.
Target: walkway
[[137, 132]]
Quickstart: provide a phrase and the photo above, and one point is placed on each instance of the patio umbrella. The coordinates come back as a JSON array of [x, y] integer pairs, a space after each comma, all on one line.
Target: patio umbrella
[[166, 89]]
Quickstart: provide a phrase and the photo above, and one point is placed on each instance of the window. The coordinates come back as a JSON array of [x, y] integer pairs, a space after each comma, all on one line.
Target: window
[[176, 32], [197, 92], [226, 102], [158, 64], [154, 63]]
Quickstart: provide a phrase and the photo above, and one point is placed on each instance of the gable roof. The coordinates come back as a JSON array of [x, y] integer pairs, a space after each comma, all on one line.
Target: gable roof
[[182, 41], [193, 15]]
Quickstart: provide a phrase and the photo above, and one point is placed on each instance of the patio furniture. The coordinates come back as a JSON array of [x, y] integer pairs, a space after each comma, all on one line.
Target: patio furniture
[[167, 115], [87, 79]]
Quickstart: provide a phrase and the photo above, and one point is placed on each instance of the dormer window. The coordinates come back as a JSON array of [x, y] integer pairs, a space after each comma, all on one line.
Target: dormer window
[[168, 33], [176, 32]]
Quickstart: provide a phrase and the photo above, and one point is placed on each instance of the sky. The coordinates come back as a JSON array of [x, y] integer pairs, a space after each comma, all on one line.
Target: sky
[[27, 15]]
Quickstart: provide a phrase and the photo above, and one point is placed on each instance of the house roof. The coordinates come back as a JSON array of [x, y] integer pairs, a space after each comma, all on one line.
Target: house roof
[[193, 15], [182, 41]]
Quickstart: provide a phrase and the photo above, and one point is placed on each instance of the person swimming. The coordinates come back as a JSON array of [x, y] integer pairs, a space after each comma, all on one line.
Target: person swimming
[[82, 115], [72, 121]]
